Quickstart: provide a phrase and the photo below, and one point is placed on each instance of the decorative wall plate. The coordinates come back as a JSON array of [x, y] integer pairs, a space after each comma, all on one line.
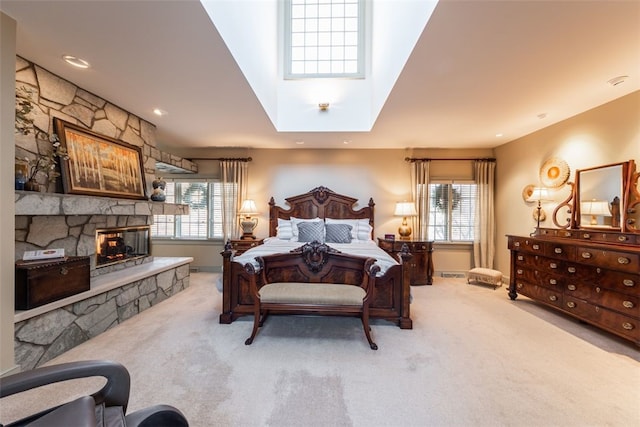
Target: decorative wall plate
[[554, 173], [527, 191]]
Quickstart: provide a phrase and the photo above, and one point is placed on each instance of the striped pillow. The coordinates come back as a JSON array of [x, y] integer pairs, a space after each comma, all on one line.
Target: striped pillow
[[338, 233], [311, 231]]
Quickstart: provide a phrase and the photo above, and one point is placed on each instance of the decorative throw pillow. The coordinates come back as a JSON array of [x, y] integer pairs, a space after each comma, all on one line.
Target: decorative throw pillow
[[294, 225], [352, 222], [311, 231], [338, 233]]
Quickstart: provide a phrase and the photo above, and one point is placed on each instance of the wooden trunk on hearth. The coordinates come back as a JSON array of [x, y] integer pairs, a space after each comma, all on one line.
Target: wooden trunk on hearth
[[43, 282]]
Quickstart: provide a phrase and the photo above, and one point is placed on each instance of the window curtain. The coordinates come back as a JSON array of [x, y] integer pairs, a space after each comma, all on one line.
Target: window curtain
[[234, 190], [485, 235], [420, 194]]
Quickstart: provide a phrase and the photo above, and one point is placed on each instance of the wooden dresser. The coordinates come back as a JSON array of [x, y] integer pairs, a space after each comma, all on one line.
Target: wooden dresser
[[243, 245], [593, 275], [421, 263]]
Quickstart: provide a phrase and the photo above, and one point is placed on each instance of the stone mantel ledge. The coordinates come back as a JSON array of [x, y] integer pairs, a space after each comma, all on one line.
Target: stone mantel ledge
[[106, 282], [33, 203]]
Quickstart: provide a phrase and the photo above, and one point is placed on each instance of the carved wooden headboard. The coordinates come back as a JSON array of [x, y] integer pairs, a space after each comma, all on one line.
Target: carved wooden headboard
[[319, 202]]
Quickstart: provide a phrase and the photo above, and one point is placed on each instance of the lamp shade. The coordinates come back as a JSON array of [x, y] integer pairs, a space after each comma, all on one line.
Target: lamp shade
[[405, 209], [540, 194], [248, 208], [596, 208]]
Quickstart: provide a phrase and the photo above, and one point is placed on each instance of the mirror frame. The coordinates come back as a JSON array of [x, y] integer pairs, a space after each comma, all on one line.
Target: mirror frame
[[577, 205], [629, 203]]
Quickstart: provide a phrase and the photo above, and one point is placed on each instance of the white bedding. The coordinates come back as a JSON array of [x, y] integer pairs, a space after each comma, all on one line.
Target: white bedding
[[366, 248]]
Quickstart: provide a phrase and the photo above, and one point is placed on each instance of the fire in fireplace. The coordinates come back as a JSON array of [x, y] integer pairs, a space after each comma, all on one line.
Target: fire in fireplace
[[114, 245]]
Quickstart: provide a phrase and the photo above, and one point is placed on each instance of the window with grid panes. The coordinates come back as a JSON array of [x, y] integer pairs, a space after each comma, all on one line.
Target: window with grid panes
[[324, 38], [452, 211], [205, 211]]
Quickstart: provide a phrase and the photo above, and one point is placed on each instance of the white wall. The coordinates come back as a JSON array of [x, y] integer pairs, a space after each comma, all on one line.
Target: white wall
[[7, 218]]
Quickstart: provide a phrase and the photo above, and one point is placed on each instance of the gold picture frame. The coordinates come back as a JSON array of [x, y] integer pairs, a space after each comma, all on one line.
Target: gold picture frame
[[98, 165]]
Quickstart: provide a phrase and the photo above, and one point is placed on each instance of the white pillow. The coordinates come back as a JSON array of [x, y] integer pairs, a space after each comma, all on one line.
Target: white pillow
[[296, 221], [364, 230], [284, 230]]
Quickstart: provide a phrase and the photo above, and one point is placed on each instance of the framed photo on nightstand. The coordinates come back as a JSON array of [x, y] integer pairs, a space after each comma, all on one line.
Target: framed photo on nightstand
[[390, 237]]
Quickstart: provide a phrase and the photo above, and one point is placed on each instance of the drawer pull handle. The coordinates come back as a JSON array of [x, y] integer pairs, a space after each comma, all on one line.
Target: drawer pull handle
[[598, 290], [553, 265], [586, 255], [536, 247], [571, 269], [628, 282], [553, 281], [571, 287], [586, 235], [567, 234], [64, 271], [558, 250], [519, 285], [553, 298], [628, 326], [519, 271], [623, 260], [516, 244], [571, 304], [627, 304], [622, 238], [520, 258]]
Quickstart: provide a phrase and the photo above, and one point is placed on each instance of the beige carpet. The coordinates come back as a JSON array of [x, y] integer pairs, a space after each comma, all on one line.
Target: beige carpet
[[474, 358]]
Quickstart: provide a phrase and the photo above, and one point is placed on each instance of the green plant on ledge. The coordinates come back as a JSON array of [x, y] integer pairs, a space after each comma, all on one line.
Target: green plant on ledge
[[46, 163], [24, 106]]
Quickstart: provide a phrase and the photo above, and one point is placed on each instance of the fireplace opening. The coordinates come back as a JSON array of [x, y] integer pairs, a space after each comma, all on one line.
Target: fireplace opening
[[115, 245]]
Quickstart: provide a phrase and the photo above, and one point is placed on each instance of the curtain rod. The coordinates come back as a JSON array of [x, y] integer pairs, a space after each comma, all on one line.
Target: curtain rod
[[427, 159], [239, 159]]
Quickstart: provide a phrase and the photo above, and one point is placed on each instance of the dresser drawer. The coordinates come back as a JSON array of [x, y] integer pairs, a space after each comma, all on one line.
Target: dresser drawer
[[526, 245], [560, 250], [535, 261], [604, 237], [619, 281], [621, 261], [539, 293], [620, 324]]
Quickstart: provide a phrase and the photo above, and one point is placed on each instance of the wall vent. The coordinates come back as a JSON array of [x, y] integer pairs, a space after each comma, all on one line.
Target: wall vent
[[453, 274]]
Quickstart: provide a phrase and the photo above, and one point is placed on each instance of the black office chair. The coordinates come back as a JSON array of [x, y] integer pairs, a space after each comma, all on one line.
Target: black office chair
[[106, 407]]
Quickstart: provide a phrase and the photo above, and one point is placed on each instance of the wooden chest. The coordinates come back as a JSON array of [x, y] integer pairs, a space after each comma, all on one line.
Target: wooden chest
[[584, 275], [44, 282]]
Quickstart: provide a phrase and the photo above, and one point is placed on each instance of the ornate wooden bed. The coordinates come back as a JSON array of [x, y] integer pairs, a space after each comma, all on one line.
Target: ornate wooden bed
[[391, 296]]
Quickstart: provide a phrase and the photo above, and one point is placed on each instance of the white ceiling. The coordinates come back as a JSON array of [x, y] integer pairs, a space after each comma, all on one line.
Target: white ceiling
[[479, 68]]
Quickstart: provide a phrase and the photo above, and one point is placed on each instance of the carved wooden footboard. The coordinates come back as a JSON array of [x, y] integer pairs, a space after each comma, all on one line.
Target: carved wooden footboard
[[391, 297]]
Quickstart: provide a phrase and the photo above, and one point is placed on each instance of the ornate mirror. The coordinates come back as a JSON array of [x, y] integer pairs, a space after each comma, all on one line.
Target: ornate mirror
[[600, 197], [632, 208]]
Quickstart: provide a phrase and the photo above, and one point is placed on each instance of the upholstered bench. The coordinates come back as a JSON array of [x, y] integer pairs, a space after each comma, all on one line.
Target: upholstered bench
[[313, 279], [486, 276]]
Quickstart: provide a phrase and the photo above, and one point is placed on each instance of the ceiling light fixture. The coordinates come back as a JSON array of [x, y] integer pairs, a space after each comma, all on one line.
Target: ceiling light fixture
[[300, 142], [498, 135], [323, 106], [617, 80], [542, 116], [75, 61], [159, 112]]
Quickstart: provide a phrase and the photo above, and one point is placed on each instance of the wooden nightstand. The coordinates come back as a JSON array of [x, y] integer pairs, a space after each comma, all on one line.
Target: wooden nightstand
[[421, 264], [243, 245]]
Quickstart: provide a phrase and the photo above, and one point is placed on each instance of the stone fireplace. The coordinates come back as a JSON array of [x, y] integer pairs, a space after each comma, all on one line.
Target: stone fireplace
[[121, 244]]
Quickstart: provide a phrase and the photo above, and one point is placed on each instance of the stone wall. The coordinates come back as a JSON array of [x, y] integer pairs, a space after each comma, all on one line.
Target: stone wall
[[50, 96], [41, 338]]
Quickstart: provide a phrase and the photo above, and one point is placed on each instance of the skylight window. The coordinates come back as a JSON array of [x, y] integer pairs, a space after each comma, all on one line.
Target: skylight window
[[324, 38]]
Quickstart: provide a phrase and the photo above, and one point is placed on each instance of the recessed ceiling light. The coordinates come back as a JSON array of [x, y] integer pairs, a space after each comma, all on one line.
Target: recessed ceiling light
[[617, 80], [345, 142], [159, 112], [75, 61], [300, 142], [498, 135], [542, 116]]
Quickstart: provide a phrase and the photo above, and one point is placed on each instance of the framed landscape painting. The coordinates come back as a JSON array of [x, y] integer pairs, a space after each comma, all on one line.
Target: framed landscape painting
[[99, 165]]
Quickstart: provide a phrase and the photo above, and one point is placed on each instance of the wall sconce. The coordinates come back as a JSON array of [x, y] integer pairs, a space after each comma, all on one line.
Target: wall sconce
[[405, 209], [247, 223], [540, 194], [323, 106], [595, 208]]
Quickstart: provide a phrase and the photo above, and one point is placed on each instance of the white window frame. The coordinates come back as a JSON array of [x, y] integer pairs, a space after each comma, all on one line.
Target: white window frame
[[449, 212], [213, 219], [288, 43]]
